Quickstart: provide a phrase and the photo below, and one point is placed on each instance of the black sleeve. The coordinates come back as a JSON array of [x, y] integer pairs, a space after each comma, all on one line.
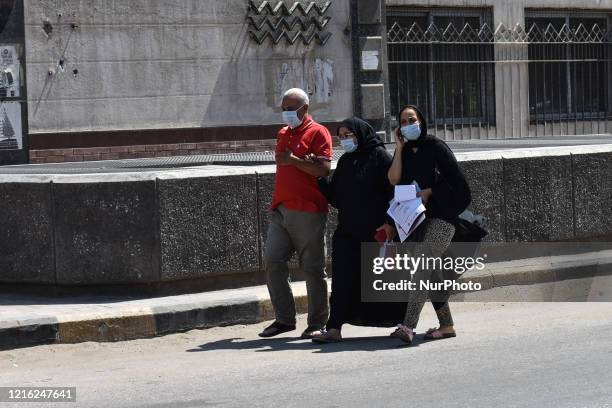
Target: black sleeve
[[387, 189], [328, 186], [391, 162], [451, 192], [403, 179]]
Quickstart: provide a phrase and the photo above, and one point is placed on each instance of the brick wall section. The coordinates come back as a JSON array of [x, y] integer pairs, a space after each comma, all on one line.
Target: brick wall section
[[144, 151]]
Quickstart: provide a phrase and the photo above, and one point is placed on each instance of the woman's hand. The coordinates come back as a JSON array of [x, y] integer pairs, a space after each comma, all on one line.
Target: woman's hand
[[399, 139], [389, 230], [425, 195], [395, 171]]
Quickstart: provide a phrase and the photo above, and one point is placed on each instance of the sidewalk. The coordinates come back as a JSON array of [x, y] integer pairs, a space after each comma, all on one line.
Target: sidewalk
[[29, 320]]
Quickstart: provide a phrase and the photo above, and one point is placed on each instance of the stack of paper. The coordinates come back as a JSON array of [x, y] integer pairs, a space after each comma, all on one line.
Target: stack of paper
[[407, 210]]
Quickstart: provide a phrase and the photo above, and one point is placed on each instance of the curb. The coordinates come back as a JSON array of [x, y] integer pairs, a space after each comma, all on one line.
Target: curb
[[252, 305]]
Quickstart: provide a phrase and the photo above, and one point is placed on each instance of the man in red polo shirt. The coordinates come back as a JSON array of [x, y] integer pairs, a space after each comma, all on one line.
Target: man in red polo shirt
[[298, 216]]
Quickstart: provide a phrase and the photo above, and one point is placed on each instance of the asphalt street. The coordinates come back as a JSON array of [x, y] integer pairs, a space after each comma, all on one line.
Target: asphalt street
[[505, 355]]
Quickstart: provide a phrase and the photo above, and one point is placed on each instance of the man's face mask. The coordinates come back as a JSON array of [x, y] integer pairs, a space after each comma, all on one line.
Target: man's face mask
[[291, 118], [411, 132]]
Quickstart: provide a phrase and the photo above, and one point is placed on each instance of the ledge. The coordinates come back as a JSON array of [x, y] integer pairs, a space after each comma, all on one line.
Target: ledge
[[188, 223]]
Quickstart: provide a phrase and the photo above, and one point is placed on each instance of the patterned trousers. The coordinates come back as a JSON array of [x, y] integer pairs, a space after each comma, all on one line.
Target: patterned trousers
[[432, 239]]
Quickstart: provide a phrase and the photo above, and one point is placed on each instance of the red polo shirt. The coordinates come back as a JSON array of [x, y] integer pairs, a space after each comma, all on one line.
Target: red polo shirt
[[293, 188]]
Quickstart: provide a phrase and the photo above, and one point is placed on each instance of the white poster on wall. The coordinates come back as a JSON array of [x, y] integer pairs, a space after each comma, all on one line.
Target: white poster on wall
[[370, 60], [10, 126], [9, 71], [315, 76]]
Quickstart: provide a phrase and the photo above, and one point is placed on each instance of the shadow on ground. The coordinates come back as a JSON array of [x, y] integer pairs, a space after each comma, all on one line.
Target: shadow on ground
[[371, 343]]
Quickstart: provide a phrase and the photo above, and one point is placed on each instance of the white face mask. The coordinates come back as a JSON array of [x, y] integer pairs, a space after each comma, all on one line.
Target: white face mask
[[411, 132], [348, 144], [291, 119]]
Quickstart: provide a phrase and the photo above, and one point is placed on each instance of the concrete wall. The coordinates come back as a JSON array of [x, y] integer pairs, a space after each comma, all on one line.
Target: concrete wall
[[148, 64], [151, 64], [166, 226]]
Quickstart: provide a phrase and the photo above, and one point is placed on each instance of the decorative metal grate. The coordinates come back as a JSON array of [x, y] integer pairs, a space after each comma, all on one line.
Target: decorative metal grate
[[149, 164], [291, 23], [502, 34], [549, 77]]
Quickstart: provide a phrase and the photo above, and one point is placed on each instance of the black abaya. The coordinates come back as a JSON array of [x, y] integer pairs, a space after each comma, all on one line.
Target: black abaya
[[361, 192]]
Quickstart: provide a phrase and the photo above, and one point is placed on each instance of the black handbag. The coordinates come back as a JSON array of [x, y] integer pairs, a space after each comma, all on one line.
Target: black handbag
[[469, 233], [466, 242], [466, 231]]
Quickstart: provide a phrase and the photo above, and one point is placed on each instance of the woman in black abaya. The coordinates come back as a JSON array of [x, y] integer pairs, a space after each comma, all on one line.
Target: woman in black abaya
[[360, 190]]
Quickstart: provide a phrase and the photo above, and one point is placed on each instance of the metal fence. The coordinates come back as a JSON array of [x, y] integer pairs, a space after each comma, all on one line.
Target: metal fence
[[551, 78]]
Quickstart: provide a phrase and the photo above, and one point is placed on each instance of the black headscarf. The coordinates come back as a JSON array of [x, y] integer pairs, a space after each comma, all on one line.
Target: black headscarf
[[367, 139], [424, 137]]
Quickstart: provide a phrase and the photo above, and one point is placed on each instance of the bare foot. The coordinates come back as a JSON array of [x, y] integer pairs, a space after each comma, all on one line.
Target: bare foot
[[446, 329]]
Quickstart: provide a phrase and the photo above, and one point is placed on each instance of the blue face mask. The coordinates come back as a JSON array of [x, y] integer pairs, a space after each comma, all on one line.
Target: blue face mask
[[411, 132], [291, 118], [348, 145]]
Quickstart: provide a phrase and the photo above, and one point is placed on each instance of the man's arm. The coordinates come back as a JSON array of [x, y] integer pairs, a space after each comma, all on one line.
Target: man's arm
[[319, 168]]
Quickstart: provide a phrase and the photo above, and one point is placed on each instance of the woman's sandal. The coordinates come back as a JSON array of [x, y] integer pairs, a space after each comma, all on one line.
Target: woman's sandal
[[436, 334], [404, 333], [325, 337]]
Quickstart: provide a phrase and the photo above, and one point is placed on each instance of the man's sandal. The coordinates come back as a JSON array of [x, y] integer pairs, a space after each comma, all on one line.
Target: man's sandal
[[436, 334], [275, 329]]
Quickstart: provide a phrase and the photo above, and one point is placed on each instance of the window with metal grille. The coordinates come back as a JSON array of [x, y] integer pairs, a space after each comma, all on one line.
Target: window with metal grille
[[13, 114], [442, 61], [569, 65]]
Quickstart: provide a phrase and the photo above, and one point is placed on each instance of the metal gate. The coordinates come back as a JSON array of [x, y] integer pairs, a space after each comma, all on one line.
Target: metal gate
[[551, 78]]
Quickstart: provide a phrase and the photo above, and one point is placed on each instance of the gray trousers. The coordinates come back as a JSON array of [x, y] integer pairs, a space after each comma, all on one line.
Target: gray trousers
[[304, 233]]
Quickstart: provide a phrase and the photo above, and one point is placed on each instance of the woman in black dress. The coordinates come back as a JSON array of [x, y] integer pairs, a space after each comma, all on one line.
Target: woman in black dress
[[445, 192], [361, 192]]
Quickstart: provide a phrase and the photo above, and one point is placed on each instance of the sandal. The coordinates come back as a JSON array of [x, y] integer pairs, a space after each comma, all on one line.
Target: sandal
[[404, 333], [311, 331], [436, 334], [275, 329], [396, 333], [325, 337]]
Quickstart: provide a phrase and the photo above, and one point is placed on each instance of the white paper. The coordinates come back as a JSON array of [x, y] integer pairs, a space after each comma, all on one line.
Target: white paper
[[10, 126], [9, 72], [406, 212], [416, 224], [401, 233], [405, 193], [408, 215], [369, 60]]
